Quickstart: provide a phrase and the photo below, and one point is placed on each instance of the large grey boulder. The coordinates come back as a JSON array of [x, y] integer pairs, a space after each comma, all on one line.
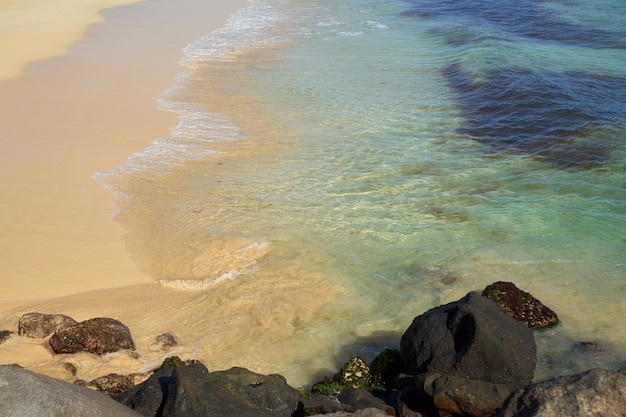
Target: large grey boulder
[[472, 338], [469, 355], [98, 336], [25, 393], [237, 392], [597, 392], [39, 325]]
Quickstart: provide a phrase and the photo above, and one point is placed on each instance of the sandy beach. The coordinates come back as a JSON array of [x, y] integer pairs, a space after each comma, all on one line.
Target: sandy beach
[[78, 97], [67, 117]]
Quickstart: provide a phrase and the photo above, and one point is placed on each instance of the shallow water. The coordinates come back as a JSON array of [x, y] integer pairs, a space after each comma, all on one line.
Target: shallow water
[[358, 164]]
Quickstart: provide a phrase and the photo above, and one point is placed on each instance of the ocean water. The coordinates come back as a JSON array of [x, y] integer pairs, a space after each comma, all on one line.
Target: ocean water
[[340, 167]]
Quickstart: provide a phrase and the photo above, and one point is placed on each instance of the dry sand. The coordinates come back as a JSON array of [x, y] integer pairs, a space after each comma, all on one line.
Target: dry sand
[[65, 118]]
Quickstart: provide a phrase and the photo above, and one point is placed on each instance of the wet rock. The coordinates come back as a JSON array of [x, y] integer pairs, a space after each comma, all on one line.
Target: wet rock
[[4, 336], [98, 336], [521, 305], [597, 392], [38, 325], [164, 342], [25, 393], [237, 392]]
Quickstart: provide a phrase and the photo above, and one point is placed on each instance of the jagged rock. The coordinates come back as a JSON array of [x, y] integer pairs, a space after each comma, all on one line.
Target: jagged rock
[[359, 399], [4, 336], [521, 305], [38, 325], [99, 336], [597, 392], [237, 392], [165, 342], [25, 393], [386, 367], [472, 338], [323, 404], [113, 384], [353, 374], [368, 412]]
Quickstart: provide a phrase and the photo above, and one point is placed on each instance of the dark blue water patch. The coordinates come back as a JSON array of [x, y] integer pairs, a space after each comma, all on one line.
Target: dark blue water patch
[[522, 18], [549, 115]]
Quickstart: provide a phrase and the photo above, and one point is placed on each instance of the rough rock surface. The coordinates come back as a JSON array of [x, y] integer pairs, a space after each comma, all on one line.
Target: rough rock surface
[[99, 336], [38, 325], [24, 393], [353, 374], [113, 384], [521, 305], [597, 392], [147, 397], [386, 367], [471, 338], [368, 412], [164, 342], [237, 392], [359, 399]]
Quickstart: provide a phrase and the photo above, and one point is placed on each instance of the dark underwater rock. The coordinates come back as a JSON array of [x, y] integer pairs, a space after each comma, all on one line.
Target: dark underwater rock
[[98, 336], [521, 305], [597, 392], [38, 325]]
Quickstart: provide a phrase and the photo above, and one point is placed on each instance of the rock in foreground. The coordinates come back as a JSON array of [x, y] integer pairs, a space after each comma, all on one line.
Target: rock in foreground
[[597, 392], [24, 393]]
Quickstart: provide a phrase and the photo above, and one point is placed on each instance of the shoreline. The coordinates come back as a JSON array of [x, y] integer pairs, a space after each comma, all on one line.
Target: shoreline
[[68, 117]]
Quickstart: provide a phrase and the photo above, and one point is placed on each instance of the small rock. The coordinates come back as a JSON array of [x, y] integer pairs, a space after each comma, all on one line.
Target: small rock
[[359, 399], [4, 336], [38, 325], [165, 342], [521, 305]]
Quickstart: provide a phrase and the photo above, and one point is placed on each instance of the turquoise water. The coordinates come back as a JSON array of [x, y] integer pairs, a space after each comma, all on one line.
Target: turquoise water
[[392, 156]]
